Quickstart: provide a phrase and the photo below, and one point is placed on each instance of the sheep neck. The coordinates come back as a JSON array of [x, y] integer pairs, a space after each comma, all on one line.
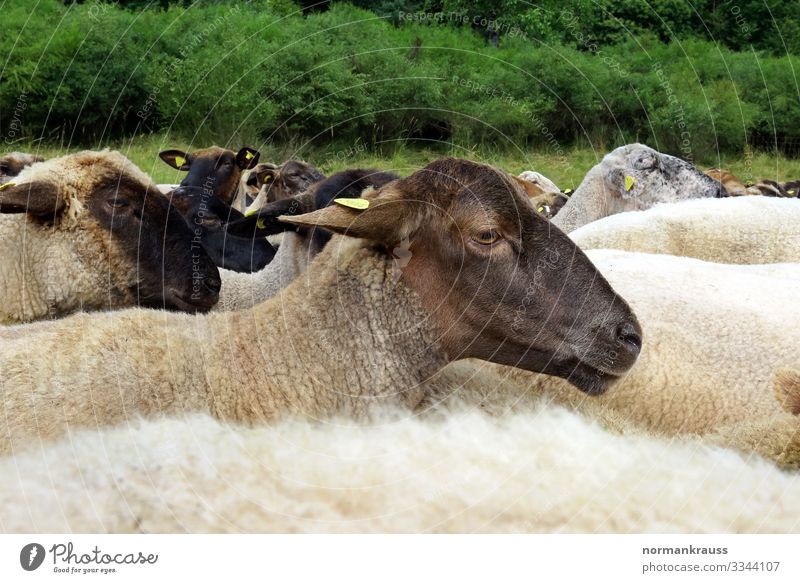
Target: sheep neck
[[588, 203], [343, 337]]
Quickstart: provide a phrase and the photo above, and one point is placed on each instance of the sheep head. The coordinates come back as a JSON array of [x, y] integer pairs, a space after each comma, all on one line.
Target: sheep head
[[281, 182], [214, 169], [499, 282], [13, 163], [118, 221], [638, 177]]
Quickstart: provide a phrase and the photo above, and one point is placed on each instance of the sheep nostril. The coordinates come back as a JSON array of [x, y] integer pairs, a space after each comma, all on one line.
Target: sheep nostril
[[629, 335], [213, 285]]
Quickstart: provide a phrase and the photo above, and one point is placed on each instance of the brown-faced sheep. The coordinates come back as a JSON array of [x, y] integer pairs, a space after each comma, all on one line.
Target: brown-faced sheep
[[633, 177], [703, 364], [89, 231], [357, 333], [281, 182], [14, 162]]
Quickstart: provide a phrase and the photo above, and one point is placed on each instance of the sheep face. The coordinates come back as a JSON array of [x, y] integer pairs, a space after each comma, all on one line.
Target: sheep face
[[284, 181], [215, 169], [122, 225], [12, 164], [208, 216], [638, 177], [500, 283], [536, 184]]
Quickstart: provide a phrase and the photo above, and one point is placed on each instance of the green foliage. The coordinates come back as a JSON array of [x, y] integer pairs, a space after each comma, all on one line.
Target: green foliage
[[262, 71]]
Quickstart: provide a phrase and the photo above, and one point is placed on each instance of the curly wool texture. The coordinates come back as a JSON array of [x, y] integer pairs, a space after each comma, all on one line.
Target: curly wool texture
[[546, 470], [50, 270], [343, 339], [745, 230], [241, 291]]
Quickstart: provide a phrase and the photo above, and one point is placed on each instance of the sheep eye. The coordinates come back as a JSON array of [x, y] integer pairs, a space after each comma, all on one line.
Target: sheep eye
[[486, 237], [118, 203]]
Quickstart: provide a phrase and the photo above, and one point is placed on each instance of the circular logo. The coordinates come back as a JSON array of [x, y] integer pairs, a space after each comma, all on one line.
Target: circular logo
[[31, 556]]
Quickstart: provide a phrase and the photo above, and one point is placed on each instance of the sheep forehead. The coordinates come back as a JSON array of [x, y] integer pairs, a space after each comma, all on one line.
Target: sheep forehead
[[212, 152]]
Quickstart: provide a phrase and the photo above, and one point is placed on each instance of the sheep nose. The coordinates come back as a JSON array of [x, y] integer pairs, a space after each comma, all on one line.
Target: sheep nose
[[629, 336], [213, 284]]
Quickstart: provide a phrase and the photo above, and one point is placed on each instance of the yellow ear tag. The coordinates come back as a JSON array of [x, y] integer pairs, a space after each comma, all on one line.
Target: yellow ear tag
[[251, 211], [267, 178], [353, 203], [568, 191], [261, 224], [7, 185], [180, 161], [248, 155], [790, 192], [540, 209], [628, 183]]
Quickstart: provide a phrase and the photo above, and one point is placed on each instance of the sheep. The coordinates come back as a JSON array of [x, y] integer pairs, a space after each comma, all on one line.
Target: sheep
[[549, 204], [747, 229], [281, 182], [703, 365], [216, 170], [633, 177], [536, 184], [14, 162], [545, 471], [208, 216], [731, 183], [775, 437], [241, 291], [80, 232], [359, 332]]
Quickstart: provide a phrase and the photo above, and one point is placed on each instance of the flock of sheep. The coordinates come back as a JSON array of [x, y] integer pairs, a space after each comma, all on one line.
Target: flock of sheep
[[457, 350]]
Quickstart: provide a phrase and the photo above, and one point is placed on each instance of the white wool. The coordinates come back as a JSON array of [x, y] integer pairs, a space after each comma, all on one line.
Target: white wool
[[747, 229], [545, 470]]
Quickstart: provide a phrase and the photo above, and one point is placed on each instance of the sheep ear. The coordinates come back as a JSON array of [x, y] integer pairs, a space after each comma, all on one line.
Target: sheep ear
[[247, 158], [264, 175], [178, 159], [40, 199], [385, 219]]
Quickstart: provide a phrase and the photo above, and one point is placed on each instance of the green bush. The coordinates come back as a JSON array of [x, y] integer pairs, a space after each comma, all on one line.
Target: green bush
[[264, 72]]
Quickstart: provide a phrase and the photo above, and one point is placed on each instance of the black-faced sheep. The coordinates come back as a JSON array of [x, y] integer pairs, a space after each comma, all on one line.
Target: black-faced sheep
[[216, 170], [208, 216], [89, 231], [633, 177], [357, 333]]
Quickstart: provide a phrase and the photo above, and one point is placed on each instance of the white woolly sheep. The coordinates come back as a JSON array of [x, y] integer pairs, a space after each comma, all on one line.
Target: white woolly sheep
[[81, 233], [633, 177], [546, 470], [357, 334], [747, 229]]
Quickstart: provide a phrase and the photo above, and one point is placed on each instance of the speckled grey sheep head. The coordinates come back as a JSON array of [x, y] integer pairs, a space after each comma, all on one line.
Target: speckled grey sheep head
[[642, 177]]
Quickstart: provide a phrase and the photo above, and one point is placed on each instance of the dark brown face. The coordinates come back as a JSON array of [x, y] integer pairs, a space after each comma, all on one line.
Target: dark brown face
[[500, 282], [215, 170], [290, 179], [174, 271]]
